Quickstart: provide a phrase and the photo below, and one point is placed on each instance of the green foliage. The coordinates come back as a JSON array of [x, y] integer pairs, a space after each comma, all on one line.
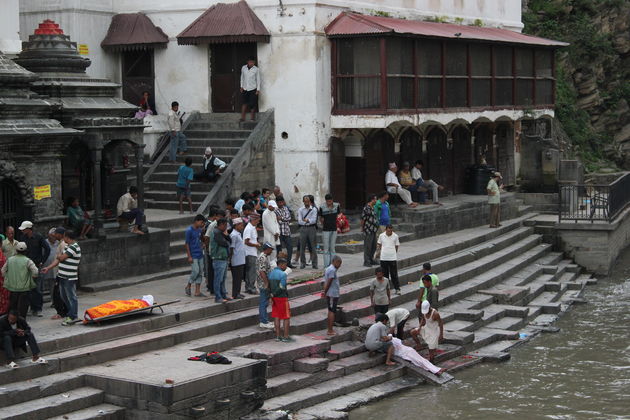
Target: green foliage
[[478, 22], [459, 20], [380, 13], [573, 21]]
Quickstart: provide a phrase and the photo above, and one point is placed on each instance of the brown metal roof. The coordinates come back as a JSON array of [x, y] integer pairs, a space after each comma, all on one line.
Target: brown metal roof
[[130, 31], [351, 24], [225, 23]]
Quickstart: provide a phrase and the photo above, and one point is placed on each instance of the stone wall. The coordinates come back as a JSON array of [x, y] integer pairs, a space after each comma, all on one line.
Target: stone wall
[[123, 255], [540, 202], [595, 246], [260, 171], [39, 172]]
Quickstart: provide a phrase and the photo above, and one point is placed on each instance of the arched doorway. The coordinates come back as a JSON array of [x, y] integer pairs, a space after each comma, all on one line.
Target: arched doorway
[[461, 157], [12, 211], [505, 152], [77, 178], [410, 147], [439, 162], [379, 151], [484, 149]]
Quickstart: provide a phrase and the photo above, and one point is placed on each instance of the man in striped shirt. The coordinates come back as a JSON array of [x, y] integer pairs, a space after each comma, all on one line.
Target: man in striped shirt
[[68, 275]]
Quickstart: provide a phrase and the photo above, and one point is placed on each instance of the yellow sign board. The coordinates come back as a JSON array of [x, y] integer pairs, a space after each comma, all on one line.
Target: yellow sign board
[[41, 192], [83, 49]]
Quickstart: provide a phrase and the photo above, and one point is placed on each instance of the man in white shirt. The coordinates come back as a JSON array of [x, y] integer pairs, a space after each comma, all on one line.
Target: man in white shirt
[[212, 167], [416, 174], [250, 87], [387, 245], [271, 226], [178, 139], [127, 208], [250, 239], [394, 187]]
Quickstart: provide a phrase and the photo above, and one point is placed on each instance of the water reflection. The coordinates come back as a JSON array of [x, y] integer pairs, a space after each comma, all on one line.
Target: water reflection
[[582, 372]]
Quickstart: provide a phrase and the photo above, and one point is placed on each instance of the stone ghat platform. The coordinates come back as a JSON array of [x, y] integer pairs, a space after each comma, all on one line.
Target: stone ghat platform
[[499, 288]]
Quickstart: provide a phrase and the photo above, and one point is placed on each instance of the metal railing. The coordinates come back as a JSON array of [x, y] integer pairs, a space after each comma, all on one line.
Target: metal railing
[[162, 147], [593, 202], [255, 141]]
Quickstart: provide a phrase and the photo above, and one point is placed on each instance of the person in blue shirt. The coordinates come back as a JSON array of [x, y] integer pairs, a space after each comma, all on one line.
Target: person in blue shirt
[[280, 310], [184, 178], [194, 251], [382, 210]]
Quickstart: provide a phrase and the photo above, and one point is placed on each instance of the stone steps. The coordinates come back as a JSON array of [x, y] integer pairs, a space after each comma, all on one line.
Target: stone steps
[[100, 412], [54, 405]]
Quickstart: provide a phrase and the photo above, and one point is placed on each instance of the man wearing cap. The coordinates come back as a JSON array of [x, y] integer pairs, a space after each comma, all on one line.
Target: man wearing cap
[[250, 239], [263, 268], [212, 167], [9, 243], [38, 251], [284, 219], [19, 274], [271, 226], [237, 257], [494, 199], [394, 187], [194, 252], [431, 328]]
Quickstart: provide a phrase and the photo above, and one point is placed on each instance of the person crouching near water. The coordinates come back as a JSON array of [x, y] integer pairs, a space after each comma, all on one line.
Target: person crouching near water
[[379, 340]]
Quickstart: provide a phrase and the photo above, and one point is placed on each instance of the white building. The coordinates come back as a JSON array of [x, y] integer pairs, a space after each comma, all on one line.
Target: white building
[[377, 85]]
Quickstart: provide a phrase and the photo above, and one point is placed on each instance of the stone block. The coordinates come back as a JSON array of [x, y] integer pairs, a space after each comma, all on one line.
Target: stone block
[[310, 364]]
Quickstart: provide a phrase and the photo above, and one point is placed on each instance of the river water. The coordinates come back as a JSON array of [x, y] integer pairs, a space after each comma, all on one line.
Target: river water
[[581, 372]]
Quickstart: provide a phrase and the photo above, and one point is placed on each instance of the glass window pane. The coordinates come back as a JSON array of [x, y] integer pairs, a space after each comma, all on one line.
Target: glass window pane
[[544, 92], [524, 62], [503, 61], [358, 93], [400, 92], [455, 93], [455, 55], [399, 56], [503, 92], [524, 91], [429, 93], [481, 92], [480, 62], [359, 56], [544, 59], [429, 58]]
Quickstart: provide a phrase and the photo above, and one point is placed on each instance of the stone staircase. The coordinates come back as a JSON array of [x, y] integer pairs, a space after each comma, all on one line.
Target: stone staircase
[[223, 132], [498, 289]]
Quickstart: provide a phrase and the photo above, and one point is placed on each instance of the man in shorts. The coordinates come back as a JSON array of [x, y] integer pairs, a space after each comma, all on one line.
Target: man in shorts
[[331, 291], [184, 177], [280, 311], [250, 88], [379, 340]]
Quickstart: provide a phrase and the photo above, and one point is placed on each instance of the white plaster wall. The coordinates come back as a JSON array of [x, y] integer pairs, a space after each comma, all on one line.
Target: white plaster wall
[[10, 42]]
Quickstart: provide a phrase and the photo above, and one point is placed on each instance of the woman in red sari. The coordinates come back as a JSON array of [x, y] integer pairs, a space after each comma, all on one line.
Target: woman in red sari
[[4, 293]]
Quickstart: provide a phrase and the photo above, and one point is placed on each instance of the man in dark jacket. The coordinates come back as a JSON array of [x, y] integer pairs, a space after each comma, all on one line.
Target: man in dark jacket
[[212, 167], [219, 247], [16, 333], [38, 251]]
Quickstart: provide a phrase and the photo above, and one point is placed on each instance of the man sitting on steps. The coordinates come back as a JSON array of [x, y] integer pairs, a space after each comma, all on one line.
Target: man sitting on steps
[[212, 167], [127, 209]]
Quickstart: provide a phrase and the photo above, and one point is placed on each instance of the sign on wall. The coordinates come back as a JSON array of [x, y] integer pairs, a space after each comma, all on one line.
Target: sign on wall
[[83, 49], [41, 192]]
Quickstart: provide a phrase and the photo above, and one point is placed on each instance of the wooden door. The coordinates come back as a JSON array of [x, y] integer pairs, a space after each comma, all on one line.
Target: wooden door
[[439, 161], [379, 151], [462, 158], [338, 171], [138, 75], [410, 147], [226, 61]]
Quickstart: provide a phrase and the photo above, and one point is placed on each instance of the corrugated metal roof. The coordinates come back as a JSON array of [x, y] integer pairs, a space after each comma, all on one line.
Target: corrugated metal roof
[[225, 23], [350, 24], [133, 31]]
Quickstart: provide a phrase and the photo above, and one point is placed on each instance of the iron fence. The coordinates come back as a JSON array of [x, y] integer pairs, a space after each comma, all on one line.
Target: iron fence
[[593, 202]]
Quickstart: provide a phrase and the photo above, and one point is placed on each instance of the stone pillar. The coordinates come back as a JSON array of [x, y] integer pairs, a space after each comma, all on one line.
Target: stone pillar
[[97, 156], [140, 174]]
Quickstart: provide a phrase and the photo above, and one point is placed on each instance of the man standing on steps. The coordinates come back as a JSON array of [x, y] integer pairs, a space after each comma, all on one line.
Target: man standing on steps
[[250, 88], [307, 220], [38, 251], [213, 215], [280, 310], [271, 227], [237, 257], [284, 220], [387, 245], [382, 211], [219, 250], [212, 167], [379, 340], [426, 271], [250, 238], [194, 252], [428, 292], [328, 213], [331, 291], [177, 138], [494, 199], [263, 268], [369, 227]]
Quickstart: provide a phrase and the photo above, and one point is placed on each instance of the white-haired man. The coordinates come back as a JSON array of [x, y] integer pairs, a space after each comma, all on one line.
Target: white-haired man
[[394, 187], [212, 167]]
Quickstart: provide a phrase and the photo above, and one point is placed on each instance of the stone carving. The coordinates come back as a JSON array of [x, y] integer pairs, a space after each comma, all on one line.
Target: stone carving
[[8, 171]]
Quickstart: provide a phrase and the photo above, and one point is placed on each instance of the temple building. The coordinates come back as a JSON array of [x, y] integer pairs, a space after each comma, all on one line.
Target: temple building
[[353, 85]]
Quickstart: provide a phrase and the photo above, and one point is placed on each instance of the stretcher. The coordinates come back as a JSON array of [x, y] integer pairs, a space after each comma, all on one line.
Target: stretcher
[[146, 309]]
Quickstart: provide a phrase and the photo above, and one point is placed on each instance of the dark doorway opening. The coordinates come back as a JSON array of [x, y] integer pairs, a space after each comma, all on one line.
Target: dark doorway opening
[[226, 61], [12, 211], [462, 158], [379, 151], [138, 75], [439, 162], [410, 147], [77, 175]]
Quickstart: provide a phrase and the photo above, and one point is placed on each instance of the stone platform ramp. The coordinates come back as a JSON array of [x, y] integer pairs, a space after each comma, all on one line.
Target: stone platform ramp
[[492, 281]]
